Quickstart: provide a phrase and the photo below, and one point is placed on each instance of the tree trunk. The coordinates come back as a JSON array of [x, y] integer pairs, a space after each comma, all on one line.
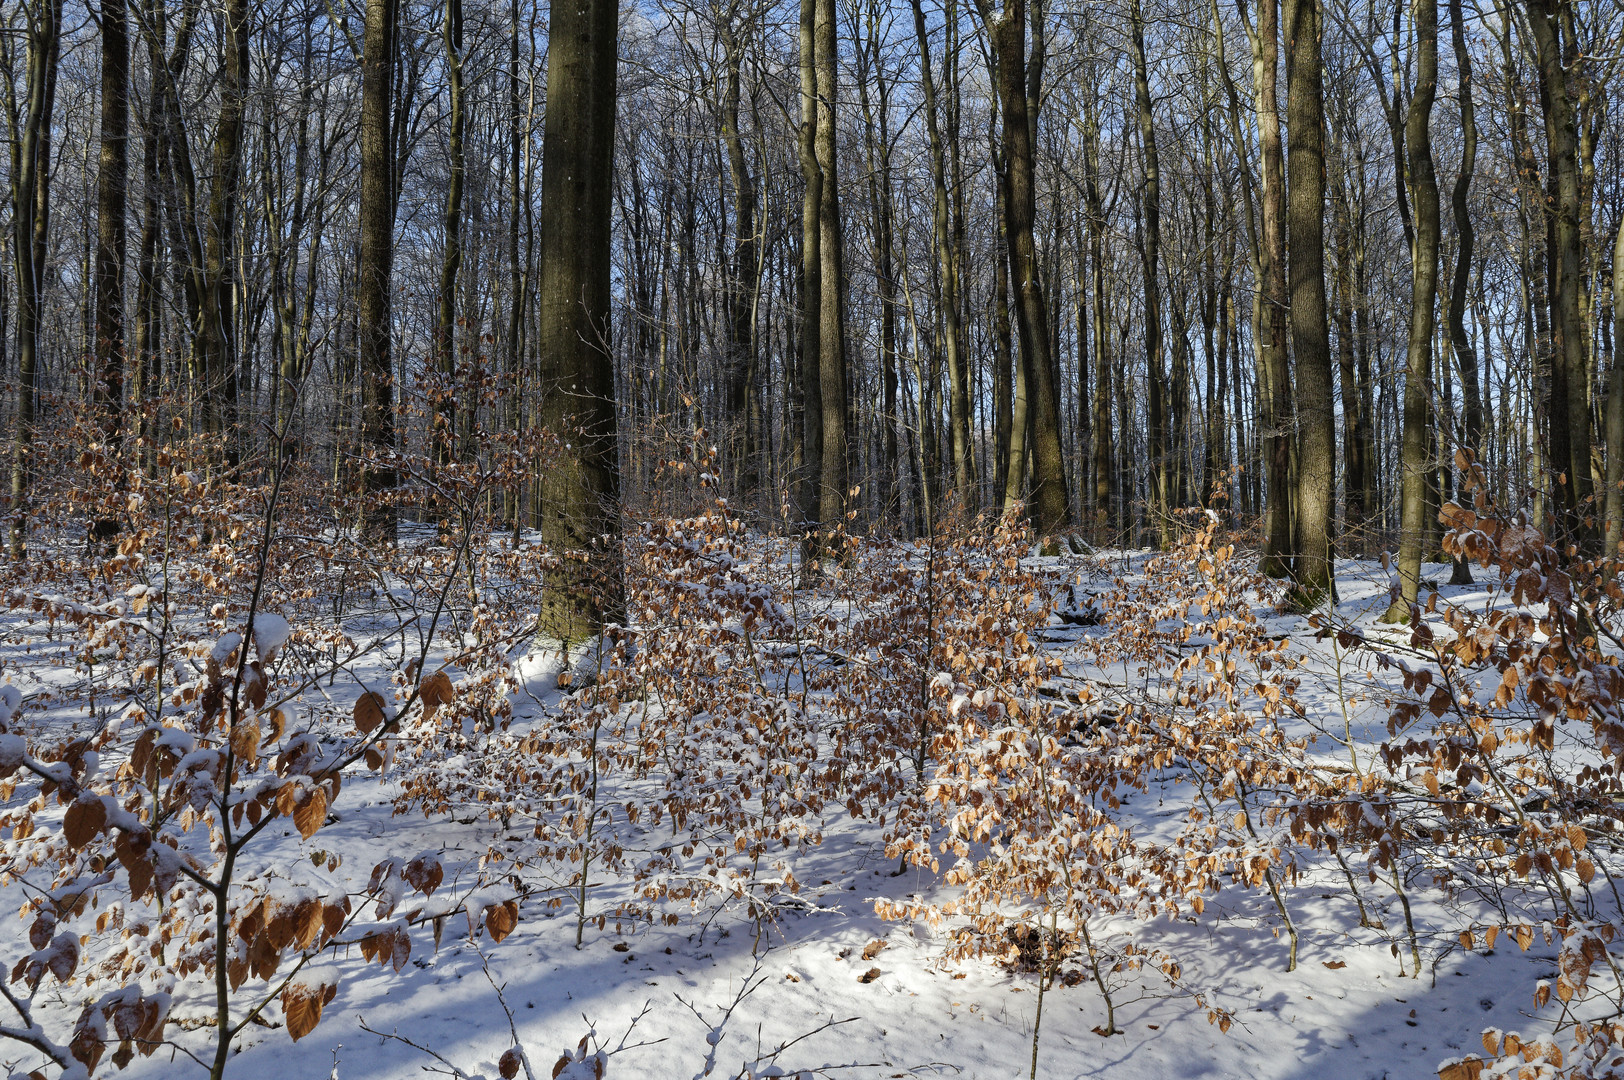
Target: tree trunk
[[809, 478], [832, 374], [377, 234], [1310, 331], [947, 259], [443, 394], [1569, 409], [1049, 506], [1414, 463], [112, 182], [1276, 413], [742, 276], [1460, 341], [581, 504], [30, 181], [1613, 503]]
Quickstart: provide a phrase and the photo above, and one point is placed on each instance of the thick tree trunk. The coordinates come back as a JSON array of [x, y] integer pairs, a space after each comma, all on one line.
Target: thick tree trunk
[[1310, 330], [217, 332], [112, 183], [1276, 412], [30, 203], [832, 375], [743, 272], [1049, 505], [377, 229], [1570, 408], [581, 502], [1150, 255]]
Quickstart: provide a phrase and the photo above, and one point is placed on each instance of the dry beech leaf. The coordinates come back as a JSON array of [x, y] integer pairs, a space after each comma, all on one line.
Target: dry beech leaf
[[869, 976], [302, 1005], [368, 711], [278, 723], [872, 949], [245, 740], [1336, 965], [500, 919], [436, 691], [508, 1065], [84, 819]]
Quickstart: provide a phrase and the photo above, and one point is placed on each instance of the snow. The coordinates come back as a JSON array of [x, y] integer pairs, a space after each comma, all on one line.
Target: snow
[[271, 632], [652, 999]]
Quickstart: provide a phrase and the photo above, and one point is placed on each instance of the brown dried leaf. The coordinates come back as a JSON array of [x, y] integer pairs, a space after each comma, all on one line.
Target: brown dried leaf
[[245, 740], [309, 815], [302, 1005], [368, 712], [500, 919], [436, 690], [84, 819]]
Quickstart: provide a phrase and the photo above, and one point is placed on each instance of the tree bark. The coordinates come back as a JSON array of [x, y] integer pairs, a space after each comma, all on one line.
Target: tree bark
[[1414, 456], [1613, 502], [30, 181], [1570, 409], [377, 231], [112, 184], [1276, 411], [1048, 506], [832, 374], [444, 394], [1310, 330], [581, 505], [948, 265]]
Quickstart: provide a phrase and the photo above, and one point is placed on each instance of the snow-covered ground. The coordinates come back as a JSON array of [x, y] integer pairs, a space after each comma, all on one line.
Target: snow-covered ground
[[872, 998]]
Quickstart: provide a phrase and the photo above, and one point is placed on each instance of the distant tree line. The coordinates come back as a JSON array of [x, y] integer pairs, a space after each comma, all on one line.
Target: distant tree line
[[897, 261]]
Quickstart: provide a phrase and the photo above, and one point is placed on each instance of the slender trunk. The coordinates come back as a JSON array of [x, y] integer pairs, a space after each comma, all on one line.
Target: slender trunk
[[809, 476], [1613, 503], [1460, 341], [947, 259], [444, 396], [1423, 294]]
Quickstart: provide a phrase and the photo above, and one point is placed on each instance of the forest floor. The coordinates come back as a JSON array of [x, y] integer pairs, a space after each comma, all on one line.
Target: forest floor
[[874, 998]]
